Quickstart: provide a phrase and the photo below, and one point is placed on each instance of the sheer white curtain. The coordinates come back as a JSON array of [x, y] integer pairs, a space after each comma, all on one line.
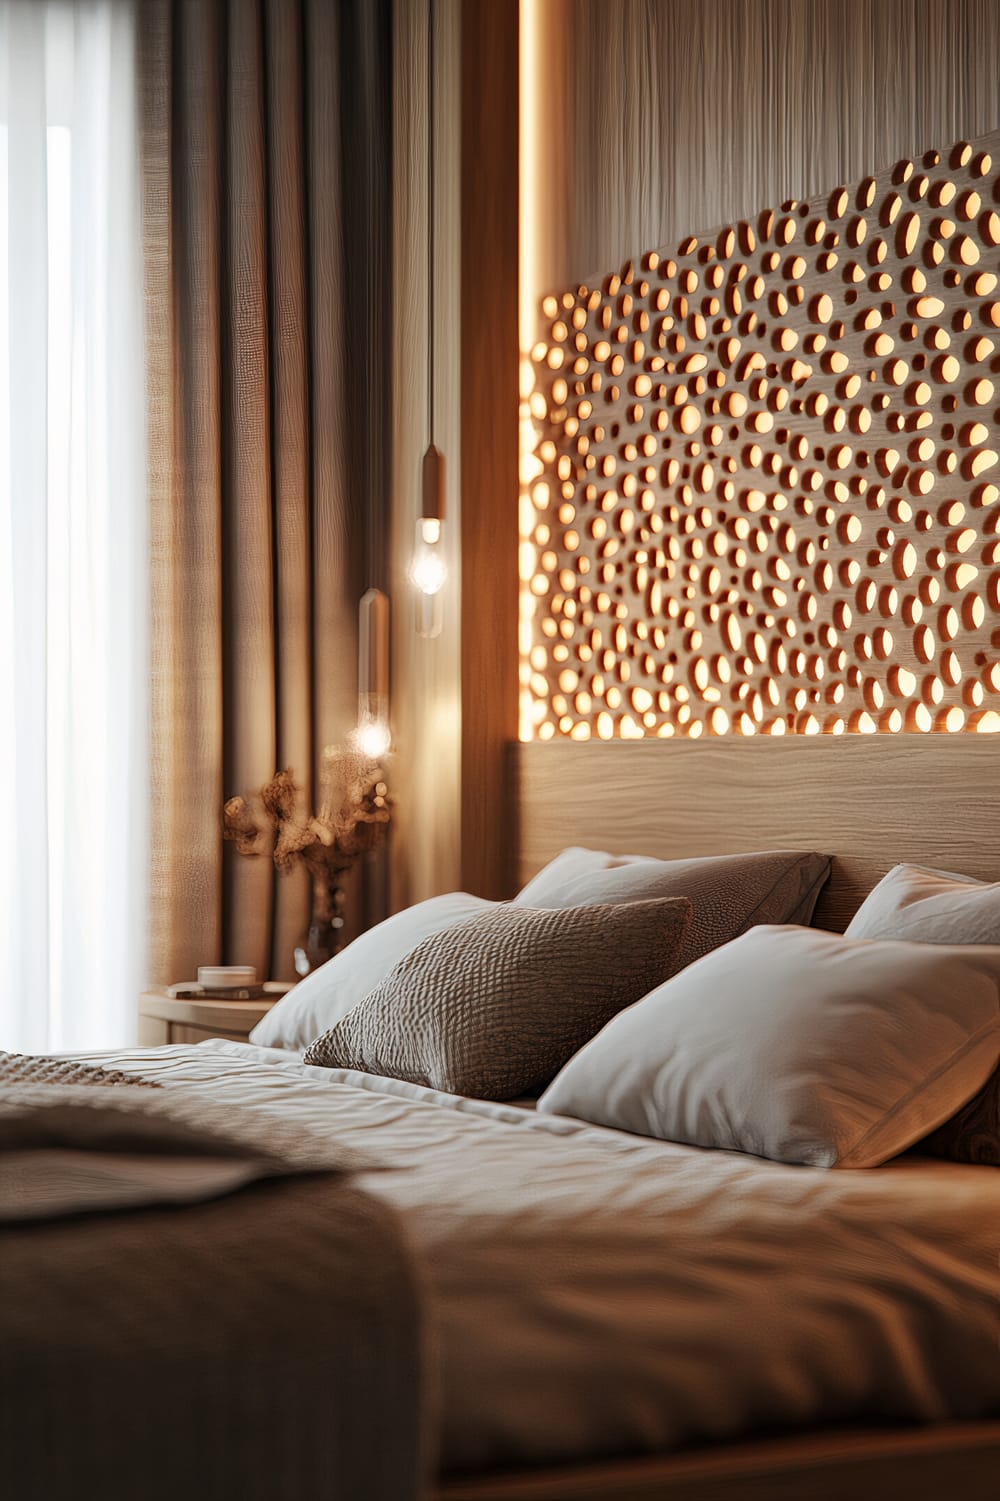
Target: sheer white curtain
[[73, 532]]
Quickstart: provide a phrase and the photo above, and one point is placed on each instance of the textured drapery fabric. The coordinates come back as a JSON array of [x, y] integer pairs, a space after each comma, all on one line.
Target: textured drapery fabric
[[73, 574], [267, 182]]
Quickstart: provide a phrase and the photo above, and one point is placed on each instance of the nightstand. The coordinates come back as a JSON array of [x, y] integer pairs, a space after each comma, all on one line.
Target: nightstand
[[163, 1019]]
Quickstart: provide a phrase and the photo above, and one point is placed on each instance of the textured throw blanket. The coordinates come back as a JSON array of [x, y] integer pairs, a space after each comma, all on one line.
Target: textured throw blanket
[[195, 1302], [77, 1139]]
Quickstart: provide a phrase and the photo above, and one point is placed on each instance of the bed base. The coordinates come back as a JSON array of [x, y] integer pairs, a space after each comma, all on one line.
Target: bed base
[[946, 1462]]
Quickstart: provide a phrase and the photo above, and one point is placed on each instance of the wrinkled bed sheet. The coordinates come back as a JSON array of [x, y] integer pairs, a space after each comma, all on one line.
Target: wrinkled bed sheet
[[593, 1293]]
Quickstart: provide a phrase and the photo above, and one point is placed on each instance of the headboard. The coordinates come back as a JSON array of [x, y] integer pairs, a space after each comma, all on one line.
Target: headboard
[[760, 539], [869, 801]]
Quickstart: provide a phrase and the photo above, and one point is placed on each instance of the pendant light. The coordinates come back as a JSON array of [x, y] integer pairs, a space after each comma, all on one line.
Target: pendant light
[[372, 736], [428, 568]]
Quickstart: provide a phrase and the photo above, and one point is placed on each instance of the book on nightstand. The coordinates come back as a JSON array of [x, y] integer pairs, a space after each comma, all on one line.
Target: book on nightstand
[[190, 990]]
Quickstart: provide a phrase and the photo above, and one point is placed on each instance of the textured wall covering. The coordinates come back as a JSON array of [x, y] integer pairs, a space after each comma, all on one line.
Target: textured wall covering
[[766, 496], [662, 117], [659, 118]]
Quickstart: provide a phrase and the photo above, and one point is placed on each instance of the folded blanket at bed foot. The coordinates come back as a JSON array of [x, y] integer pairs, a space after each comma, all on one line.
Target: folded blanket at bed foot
[[259, 1338]]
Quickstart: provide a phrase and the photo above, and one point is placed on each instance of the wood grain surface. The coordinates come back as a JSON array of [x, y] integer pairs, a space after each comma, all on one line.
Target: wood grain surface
[[165, 1019], [869, 801], [489, 390]]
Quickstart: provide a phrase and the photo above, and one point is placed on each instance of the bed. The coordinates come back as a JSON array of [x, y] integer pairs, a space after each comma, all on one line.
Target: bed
[[609, 1316], [595, 1295], [871, 801]]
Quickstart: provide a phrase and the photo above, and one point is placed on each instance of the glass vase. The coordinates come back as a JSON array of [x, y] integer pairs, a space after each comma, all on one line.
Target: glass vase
[[325, 937]]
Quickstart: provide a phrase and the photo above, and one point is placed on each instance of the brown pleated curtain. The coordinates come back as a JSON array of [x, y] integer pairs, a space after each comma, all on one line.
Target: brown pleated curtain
[[267, 231]]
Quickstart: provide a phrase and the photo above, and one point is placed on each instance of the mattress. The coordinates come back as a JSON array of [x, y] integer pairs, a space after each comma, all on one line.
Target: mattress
[[593, 1293]]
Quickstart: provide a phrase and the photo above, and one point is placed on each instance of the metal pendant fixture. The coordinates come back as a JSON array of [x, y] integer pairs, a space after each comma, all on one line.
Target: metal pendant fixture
[[428, 567]]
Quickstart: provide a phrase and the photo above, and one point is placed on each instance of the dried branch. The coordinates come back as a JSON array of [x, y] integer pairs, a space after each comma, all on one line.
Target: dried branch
[[354, 812]]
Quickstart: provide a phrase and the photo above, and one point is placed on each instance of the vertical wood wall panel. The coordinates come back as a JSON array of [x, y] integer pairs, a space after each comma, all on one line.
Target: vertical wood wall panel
[[489, 395]]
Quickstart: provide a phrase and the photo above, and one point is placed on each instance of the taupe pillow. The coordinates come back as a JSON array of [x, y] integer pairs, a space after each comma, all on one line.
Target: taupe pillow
[[493, 1008], [924, 905], [798, 1045], [728, 893], [973, 1135]]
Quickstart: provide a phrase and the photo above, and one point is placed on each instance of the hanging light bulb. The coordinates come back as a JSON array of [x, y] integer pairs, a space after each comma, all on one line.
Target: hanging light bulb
[[428, 569], [372, 736], [428, 566]]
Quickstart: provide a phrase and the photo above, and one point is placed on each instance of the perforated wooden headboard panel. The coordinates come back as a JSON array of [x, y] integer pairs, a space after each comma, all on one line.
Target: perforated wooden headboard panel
[[763, 492]]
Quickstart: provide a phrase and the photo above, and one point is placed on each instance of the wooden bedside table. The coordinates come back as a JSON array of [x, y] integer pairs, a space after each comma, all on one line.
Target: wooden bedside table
[[163, 1019]]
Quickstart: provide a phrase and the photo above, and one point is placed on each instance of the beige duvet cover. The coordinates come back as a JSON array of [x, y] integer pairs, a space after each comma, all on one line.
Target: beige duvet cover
[[592, 1293]]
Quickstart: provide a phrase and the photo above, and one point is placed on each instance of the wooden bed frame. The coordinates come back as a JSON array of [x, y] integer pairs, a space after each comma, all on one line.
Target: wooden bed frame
[[870, 802], [953, 1462]]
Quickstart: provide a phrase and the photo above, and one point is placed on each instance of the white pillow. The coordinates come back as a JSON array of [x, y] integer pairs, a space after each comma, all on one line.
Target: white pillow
[[797, 1045], [929, 906], [325, 997], [922, 905]]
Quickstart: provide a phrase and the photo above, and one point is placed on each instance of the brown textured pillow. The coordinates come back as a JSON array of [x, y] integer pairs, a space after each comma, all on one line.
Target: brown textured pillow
[[973, 1135], [728, 893], [494, 1007]]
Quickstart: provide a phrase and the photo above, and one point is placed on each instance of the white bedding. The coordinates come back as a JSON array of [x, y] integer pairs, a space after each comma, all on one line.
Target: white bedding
[[595, 1293]]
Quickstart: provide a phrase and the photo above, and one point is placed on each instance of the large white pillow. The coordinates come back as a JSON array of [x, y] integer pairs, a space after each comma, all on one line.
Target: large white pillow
[[798, 1045], [325, 997]]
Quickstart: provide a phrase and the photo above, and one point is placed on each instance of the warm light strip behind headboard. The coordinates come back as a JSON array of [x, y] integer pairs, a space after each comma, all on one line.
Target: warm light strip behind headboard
[[759, 469]]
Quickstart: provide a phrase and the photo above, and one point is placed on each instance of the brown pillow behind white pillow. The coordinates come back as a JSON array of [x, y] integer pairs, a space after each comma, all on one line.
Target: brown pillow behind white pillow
[[493, 1008], [728, 893]]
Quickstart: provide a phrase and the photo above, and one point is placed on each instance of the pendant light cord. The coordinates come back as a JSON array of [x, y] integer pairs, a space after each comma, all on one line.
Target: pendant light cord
[[430, 220]]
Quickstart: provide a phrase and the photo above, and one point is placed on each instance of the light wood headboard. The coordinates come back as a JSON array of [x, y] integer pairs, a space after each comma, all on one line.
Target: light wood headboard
[[870, 801]]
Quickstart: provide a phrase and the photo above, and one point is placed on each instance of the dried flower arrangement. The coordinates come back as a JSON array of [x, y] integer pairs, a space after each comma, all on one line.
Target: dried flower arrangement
[[353, 817]]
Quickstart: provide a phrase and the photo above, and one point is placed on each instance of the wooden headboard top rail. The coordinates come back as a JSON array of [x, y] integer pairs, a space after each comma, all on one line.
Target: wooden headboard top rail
[[870, 801]]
